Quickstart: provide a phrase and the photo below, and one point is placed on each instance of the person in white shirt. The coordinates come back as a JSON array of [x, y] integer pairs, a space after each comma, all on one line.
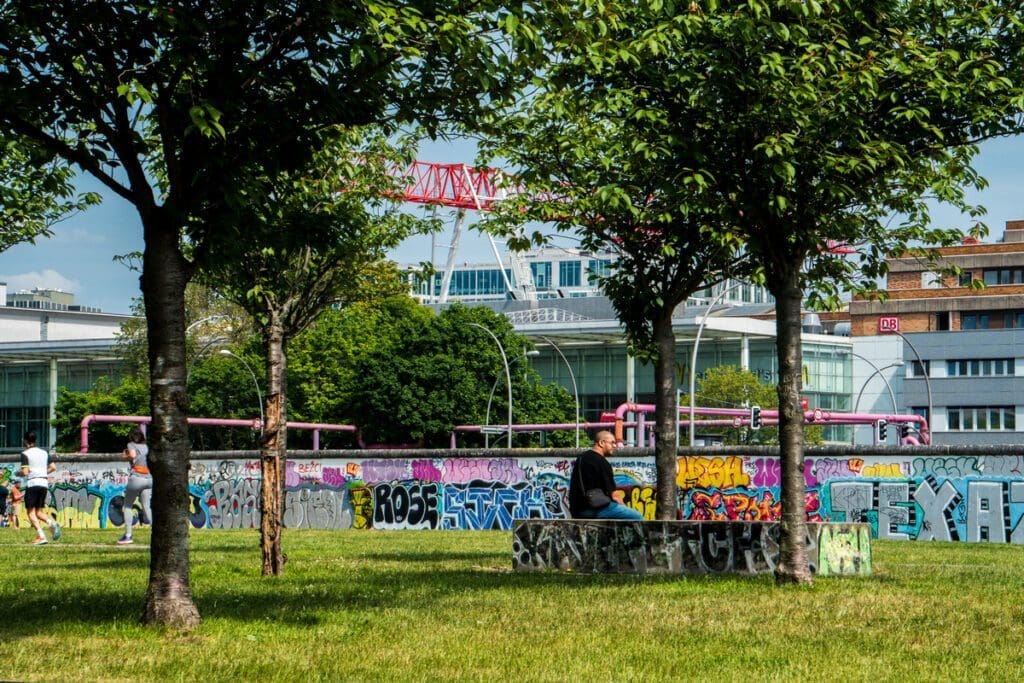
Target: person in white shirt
[[36, 468]]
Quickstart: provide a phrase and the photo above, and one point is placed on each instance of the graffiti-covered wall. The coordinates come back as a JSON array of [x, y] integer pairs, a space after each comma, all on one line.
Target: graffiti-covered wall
[[966, 498]]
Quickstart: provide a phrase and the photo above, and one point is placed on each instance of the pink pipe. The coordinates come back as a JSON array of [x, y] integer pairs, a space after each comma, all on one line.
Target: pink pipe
[[816, 416], [208, 422], [548, 426]]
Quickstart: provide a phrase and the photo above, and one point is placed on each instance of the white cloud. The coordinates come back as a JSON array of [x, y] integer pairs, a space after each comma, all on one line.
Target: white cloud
[[46, 279], [73, 235]]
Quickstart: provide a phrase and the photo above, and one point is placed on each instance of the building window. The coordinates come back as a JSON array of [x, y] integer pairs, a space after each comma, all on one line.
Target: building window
[[920, 368], [1003, 276], [965, 279], [920, 411], [569, 274], [985, 367], [974, 321], [598, 267], [541, 271], [981, 418], [941, 321]]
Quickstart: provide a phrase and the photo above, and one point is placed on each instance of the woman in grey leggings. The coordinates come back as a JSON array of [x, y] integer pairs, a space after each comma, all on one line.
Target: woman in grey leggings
[[140, 483]]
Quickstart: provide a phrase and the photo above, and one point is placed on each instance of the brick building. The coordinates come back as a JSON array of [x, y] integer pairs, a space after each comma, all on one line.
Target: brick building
[[959, 363], [925, 301]]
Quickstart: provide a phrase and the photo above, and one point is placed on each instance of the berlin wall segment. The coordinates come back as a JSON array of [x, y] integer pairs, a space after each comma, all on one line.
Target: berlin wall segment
[[899, 495]]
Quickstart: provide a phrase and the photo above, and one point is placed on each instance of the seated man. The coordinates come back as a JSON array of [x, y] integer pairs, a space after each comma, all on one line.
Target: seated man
[[592, 484]]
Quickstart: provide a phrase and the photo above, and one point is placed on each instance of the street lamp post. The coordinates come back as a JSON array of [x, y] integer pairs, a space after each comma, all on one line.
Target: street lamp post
[[575, 389], [259, 396], [207, 319], [926, 370], [490, 397], [878, 371], [200, 352], [693, 362], [508, 376]]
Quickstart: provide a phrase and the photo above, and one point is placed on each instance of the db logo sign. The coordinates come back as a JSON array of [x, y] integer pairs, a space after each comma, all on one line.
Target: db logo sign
[[888, 323]]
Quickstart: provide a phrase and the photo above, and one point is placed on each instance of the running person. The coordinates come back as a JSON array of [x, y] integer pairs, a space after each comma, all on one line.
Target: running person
[[36, 468], [140, 483]]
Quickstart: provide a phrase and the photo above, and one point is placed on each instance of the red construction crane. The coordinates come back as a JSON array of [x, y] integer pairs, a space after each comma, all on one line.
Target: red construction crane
[[455, 185], [465, 187]]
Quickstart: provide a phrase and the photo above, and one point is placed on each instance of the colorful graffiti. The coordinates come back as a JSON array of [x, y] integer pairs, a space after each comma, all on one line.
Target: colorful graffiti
[[958, 498], [683, 547]]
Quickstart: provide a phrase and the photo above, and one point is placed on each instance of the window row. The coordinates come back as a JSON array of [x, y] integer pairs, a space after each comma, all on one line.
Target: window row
[[968, 367], [992, 320], [1003, 276], [980, 367], [981, 418]]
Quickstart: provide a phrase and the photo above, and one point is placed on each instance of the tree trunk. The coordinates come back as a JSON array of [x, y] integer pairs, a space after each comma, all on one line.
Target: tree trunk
[[272, 451], [792, 566], [164, 276], [666, 416]]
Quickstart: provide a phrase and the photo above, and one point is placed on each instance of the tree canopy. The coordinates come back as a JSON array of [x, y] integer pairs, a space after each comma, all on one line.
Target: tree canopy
[[36, 192], [175, 105], [792, 126], [406, 375]]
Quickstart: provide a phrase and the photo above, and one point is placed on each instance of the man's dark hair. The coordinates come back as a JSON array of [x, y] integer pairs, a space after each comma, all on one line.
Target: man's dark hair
[[30, 438]]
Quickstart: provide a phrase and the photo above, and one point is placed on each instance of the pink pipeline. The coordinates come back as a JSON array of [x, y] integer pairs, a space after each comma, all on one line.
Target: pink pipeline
[[317, 427], [769, 416]]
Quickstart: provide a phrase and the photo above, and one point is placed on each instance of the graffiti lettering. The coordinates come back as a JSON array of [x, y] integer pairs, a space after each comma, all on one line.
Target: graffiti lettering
[[700, 472], [405, 506], [492, 506], [233, 504], [946, 498], [385, 470], [317, 509]]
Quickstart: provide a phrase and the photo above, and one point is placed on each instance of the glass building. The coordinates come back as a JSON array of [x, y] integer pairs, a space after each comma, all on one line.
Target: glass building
[[43, 348]]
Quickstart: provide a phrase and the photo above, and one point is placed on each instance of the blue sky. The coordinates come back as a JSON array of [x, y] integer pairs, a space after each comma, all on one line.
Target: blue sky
[[79, 258]]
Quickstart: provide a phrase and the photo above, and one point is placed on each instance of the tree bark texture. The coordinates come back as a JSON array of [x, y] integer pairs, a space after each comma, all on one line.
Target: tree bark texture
[[666, 416], [165, 274], [272, 452], [792, 566]]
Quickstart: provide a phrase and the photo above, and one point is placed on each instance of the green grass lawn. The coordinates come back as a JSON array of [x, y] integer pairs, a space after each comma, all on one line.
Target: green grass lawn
[[380, 605]]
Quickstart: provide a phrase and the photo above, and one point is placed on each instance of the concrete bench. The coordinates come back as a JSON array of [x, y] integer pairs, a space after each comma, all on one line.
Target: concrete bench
[[682, 547]]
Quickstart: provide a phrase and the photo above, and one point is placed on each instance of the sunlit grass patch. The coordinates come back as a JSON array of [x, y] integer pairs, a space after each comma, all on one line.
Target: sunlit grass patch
[[392, 605]]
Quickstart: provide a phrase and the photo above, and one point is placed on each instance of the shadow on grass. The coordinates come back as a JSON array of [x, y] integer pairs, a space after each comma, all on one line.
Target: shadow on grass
[[319, 585], [435, 556], [302, 599]]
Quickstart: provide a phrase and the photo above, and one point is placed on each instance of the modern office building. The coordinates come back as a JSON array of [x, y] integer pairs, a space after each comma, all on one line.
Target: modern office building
[[963, 367], [547, 273], [43, 348]]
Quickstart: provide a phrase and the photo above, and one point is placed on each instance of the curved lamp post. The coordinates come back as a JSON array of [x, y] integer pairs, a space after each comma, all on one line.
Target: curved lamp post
[[207, 319], [508, 376], [575, 389], [259, 396], [693, 361], [924, 369], [200, 352], [490, 398], [878, 371]]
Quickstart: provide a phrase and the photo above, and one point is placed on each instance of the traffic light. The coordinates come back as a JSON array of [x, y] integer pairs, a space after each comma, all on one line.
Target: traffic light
[[904, 431], [755, 417], [883, 431]]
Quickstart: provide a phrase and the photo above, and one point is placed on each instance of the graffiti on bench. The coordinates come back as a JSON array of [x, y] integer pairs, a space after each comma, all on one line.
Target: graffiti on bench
[[684, 547]]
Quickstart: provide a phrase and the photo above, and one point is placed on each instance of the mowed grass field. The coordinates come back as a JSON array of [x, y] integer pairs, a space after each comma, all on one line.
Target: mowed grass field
[[427, 605]]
